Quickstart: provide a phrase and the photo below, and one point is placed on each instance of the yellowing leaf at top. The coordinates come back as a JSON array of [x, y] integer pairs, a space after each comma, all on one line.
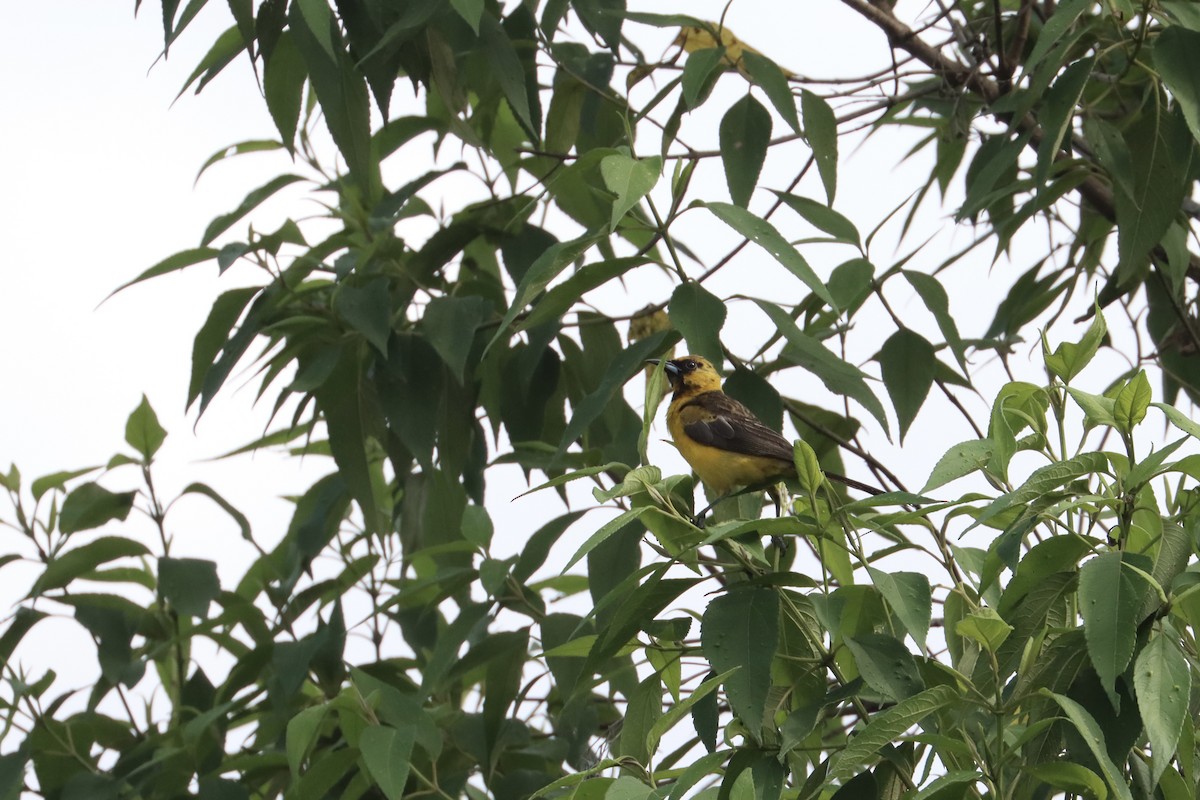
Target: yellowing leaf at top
[[704, 37]]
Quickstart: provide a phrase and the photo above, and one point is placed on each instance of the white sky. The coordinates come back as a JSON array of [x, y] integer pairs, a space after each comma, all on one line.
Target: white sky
[[98, 186]]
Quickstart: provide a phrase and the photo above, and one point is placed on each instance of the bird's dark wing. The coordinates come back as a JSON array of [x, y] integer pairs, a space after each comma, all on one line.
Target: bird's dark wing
[[717, 420]]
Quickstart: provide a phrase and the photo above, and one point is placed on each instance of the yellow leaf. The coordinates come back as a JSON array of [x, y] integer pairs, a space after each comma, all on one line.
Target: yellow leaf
[[704, 37]]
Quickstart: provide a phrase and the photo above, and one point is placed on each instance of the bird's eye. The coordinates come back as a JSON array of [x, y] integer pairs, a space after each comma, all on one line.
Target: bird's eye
[[689, 365]]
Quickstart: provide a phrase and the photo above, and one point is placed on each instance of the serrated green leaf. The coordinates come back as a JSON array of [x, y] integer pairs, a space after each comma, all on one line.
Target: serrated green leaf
[[910, 596], [1093, 736], [739, 631], [1110, 596], [283, 87], [885, 727], [252, 201], [1163, 682], [1131, 402], [960, 460], [1177, 59], [886, 665]]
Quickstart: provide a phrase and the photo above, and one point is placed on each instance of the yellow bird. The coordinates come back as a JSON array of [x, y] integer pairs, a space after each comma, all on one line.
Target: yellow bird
[[723, 441]]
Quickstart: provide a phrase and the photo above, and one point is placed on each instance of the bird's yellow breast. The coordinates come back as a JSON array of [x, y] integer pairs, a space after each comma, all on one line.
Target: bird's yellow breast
[[723, 470]]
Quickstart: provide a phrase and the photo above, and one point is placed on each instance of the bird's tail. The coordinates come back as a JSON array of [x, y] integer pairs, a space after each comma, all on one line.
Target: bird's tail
[[853, 484]]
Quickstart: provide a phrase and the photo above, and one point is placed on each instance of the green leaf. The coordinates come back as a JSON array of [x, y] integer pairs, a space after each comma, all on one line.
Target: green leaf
[[561, 297], [625, 365], [252, 201], [630, 179], [340, 88], [767, 74], [1057, 113], [470, 10], [237, 516], [224, 49], [960, 460], [764, 234], [387, 752], [822, 217], [1069, 359], [668, 720], [740, 630], [699, 316], [339, 400], [1177, 59], [745, 134], [91, 505], [283, 87], [1073, 778], [70, 565], [886, 726], [699, 74], [886, 665], [906, 363], [505, 66], [1180, 420], [172, 263], [635, 611], [1044, 480], [1163, 683], [910, 596], [1110, 596], [934, 296], [56, 480], [1093, 736], [367, 309], [986, 627], [450, 324], [142, 431], [1162, 148], [839, 376], [808, 467], [214, 336], [188, 584], [820, 129], [1131, 402], [608, 529], [553, 260], [302, 732], [1098, 410]]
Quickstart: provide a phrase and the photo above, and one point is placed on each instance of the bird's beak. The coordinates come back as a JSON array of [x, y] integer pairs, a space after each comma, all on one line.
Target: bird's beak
[[668, 367]]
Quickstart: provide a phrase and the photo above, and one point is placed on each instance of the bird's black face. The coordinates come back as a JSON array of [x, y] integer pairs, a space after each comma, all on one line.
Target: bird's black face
[[678, 371]]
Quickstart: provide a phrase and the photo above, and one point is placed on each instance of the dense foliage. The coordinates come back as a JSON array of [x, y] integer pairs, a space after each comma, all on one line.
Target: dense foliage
[[448, 321]]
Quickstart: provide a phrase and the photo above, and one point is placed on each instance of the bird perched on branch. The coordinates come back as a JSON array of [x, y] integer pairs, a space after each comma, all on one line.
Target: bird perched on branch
[[723, 441]]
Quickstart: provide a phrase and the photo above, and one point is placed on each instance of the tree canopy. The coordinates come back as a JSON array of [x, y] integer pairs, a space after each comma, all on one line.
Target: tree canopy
[[519, 205]]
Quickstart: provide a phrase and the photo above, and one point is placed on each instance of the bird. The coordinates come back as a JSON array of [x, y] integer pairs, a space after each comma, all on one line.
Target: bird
[[723, 441]]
